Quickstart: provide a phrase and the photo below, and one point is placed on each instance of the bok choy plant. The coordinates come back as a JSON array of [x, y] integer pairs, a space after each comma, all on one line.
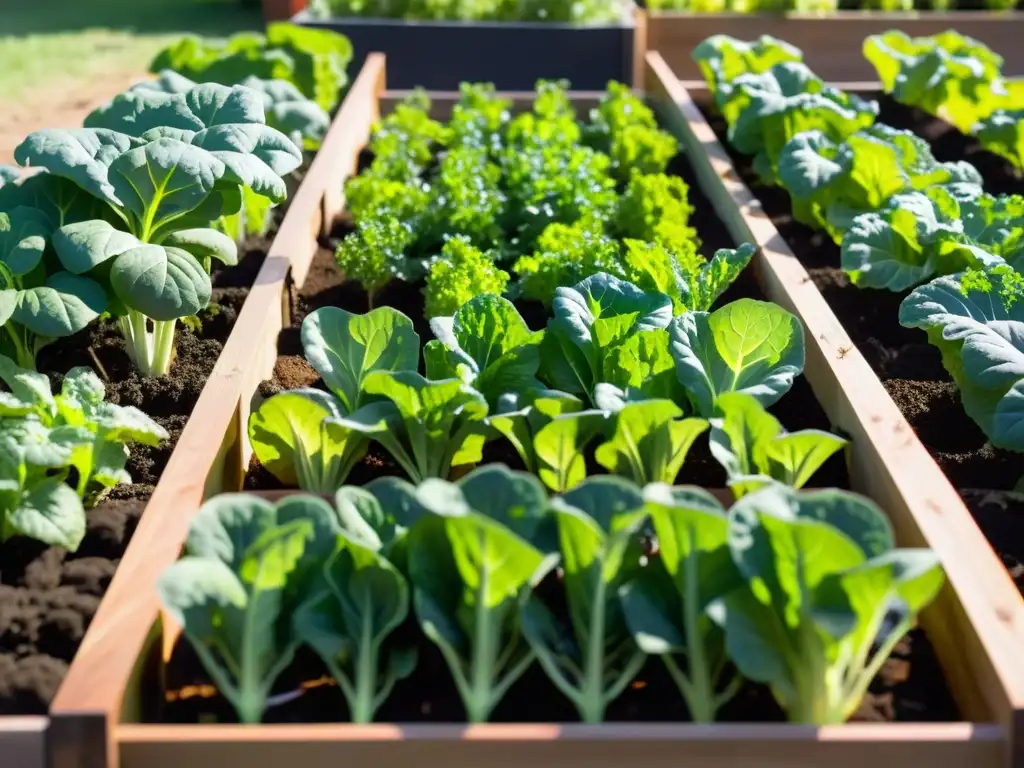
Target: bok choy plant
[[166, 166], [590, 656], [249, 567]]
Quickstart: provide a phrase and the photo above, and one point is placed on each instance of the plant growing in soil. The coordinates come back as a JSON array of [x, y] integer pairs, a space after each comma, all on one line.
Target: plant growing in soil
[[312, 60], [591, 657], [60, 451], [166, 165], [248, 568], [458, 274], [467, 570], [755, 450], [306, 436], [825, 598], [976, 320], [1002, 133], [666, 604]]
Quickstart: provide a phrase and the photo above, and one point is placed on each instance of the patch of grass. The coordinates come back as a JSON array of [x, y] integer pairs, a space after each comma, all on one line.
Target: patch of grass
[[53, 43]]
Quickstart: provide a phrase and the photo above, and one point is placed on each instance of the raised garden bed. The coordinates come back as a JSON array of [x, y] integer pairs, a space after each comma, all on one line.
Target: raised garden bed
[[110, 710], [925, 443], [831, 42], [513, 55]]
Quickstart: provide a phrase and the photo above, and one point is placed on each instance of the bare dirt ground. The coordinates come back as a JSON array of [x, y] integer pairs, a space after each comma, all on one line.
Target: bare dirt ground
[[63, 107]]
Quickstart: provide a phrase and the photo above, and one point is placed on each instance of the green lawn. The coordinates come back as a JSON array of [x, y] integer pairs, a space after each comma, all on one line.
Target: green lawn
[[56, 44]]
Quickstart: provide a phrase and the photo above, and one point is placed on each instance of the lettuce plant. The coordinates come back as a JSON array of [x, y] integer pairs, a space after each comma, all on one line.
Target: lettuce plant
[[549, 430], [348, 623], [303, 436], [166, 165], [949, 75], [722, 58], [746, 346], [755, 450], [825, 597], [625, 129], [590, 320], [459, 273], [831, 183], [591, 657], [467, 198], [976, 320], [649, 441], [60, 451], [313, 60], [375, 253], [913, 238], [467, 570], [655, 207], [248, 567], [666, 604], [996, 224], [1002, 133], [487, 344]]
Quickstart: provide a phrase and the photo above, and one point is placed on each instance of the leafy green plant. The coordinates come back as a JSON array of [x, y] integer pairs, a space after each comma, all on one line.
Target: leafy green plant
[[459, 273], [467, 199], [625, 129], [312, 60], [666, 604], [826, 597], [649, 442], [1002, 132], [549, 430], [467, 570], [302, 436], [375, 253], [348, 624], [590, 320], [248, 567], [165, 165], [487, 344], [590, 657], [976, 320], [722, 58], [656, 208], [746, 346], [591, 11], [755, 450], [949, 75]]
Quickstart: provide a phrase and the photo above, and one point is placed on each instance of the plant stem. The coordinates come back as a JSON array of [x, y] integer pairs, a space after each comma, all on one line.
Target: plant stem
[[366, 670], [24, 355], [478, 707], [150, 351], [592, 703], [702, 700]]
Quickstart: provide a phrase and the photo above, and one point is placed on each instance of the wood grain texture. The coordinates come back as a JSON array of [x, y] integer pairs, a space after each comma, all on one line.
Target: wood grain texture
[[832, 44], [611, 745], [208, 456], [977, 624]]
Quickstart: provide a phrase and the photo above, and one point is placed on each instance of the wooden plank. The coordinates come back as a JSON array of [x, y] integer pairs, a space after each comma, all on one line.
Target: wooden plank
[[977, 624], [23, 741], [207, 455], [833, 43], [610, 745]]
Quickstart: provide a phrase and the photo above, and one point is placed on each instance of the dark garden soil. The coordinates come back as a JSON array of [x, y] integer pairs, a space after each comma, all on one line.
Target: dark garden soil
[[910, 686], [49, 596], [909, 367]]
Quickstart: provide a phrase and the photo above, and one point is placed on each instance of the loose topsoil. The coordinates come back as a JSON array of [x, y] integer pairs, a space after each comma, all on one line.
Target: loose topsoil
[[49, 596], [909, 367], [909, 688]]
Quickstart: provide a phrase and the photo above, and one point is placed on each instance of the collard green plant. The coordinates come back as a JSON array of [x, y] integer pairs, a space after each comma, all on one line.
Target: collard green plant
[[590, 655], [487, 344], [249, 566], [1002, 133], [467, 571], [166, 166], [722, 58], [746, 346], [666, 604], [755, 450], [348, 624], [649, 441], [826, 597], [549, 430], [303, 437], [590, 320], [976, 320]]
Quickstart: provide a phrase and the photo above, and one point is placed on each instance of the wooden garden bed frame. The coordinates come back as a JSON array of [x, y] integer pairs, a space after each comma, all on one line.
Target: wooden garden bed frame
[[977, 626], [832, 43]]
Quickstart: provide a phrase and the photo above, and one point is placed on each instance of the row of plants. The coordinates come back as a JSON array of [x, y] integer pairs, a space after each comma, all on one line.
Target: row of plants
[[902, 218], [958, 79], [124, 223], [564, 11], [803, 592], [824, 6]]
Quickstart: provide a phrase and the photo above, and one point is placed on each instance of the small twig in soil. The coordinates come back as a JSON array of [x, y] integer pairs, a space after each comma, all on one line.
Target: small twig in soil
[[99, 365]]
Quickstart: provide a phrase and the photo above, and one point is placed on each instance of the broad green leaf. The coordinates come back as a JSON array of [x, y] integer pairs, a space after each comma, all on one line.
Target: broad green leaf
[[52, 513], [163, 283]]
